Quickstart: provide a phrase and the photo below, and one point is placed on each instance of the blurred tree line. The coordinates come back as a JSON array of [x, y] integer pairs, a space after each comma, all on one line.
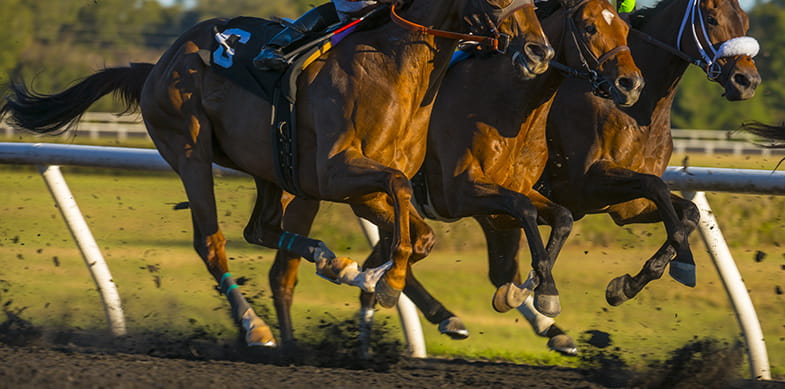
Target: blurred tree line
[[53, 42]]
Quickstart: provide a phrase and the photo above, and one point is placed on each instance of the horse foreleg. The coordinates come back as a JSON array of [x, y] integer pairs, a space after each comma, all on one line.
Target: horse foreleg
[[503, 245], [608, 184], [388, 210], [298, 217], [264, 228], [626, 287]]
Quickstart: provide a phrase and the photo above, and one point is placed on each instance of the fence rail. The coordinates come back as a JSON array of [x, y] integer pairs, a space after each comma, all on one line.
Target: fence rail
[[102, 125], [692, 180]]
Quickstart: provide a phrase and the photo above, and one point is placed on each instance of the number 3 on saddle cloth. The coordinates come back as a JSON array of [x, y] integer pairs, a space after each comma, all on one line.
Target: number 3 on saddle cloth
[[239, 40]]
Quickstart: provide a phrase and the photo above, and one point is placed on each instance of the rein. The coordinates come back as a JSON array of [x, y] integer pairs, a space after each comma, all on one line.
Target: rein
[[498, 42], [586, 72]]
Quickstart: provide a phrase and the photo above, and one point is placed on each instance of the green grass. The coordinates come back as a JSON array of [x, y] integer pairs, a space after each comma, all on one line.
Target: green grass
[[164, 285]]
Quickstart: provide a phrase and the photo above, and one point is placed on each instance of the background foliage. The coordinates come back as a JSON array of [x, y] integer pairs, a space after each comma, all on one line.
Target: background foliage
[[54, 42]]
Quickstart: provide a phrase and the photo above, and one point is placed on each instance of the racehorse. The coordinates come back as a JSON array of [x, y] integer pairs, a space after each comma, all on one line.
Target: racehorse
[[472, 143], [611, 159], [359, 129]]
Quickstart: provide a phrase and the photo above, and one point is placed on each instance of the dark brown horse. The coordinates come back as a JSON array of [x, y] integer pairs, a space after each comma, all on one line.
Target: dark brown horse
[[361, 112], [484, 163], [612, 161], [610, 158]]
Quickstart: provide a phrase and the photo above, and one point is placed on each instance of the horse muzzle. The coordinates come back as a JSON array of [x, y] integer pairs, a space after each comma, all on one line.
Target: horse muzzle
[[626, 90], [533, 59], [741, 80]]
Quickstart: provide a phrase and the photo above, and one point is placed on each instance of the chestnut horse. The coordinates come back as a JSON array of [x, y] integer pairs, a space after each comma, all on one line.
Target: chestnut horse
[[360, 131], [473, 143], [610, 158]]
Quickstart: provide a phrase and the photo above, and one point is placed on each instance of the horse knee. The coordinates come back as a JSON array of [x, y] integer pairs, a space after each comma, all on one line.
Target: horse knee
[[654, 186], [399, 185], [562, 222], [690, 216]]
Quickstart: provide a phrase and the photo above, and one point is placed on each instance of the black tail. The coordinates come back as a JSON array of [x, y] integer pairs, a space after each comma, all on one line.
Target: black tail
[[56, 113], [771, 133]]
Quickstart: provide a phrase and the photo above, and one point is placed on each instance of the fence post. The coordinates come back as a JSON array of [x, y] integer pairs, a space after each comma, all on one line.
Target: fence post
[[734, 286], [87, 245]]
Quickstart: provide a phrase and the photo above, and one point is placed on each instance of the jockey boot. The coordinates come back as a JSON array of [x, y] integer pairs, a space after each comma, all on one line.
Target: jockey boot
[[273, 54]]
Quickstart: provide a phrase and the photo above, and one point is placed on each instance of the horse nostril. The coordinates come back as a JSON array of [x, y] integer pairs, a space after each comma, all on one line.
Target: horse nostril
[[741, 80], [538, 52], [626, 84]]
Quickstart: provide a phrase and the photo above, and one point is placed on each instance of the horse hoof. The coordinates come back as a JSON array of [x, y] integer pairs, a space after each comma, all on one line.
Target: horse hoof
[[563, 344], [386, 295], [454, 328], [614, 293], [548, 305], [508, 296], [260, 336]]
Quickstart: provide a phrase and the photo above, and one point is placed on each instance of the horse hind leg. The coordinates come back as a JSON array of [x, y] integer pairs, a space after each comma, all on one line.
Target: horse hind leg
[[188, 150], [210, 243]]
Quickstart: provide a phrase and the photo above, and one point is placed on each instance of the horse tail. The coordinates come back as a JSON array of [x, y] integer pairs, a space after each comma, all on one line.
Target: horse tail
[[767, 131], [56, 113]]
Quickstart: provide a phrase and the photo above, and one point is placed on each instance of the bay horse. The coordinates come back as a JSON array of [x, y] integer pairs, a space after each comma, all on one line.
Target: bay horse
[[610, 160], [360, 131], [486, 149]]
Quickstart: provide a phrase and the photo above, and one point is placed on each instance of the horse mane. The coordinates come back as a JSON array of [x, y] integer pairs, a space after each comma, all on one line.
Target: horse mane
[[640, 17], [547, 8]]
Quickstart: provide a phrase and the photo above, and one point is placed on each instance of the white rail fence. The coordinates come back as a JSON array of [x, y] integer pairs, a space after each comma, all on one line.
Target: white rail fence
[[103, 125], [692, 181]]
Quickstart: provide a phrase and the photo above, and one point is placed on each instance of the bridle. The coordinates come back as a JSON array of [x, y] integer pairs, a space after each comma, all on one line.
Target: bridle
[[587, 71], [499, 41], [693, 17]]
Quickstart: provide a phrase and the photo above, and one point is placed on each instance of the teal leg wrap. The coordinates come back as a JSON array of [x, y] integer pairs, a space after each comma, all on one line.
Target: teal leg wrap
[[231, 290], [311, 249]]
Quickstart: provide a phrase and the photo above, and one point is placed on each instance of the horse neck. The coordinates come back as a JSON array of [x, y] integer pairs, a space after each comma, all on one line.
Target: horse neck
[[662, 69], [439, 14], [535, 96]]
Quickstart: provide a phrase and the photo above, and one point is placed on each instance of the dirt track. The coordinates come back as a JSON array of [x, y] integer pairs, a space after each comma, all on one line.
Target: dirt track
[[32, 358]]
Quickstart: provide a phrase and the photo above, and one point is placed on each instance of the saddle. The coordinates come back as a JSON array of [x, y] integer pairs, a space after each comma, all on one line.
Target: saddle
[[239, 40]]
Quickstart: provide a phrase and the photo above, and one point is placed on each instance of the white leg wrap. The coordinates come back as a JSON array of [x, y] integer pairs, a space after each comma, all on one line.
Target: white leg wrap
[[366, 280], [539, 322], [250, 323]]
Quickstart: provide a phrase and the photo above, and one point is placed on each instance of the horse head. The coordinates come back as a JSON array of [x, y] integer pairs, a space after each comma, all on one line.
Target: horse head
[[714, 33], [516, 21], [596, 43]]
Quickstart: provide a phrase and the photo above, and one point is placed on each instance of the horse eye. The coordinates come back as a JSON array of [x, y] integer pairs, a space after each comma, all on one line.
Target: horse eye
[[712, 21], [591, 29]]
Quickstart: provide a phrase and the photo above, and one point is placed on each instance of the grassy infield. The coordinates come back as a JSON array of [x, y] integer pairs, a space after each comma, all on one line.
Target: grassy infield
[[164, 285]]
